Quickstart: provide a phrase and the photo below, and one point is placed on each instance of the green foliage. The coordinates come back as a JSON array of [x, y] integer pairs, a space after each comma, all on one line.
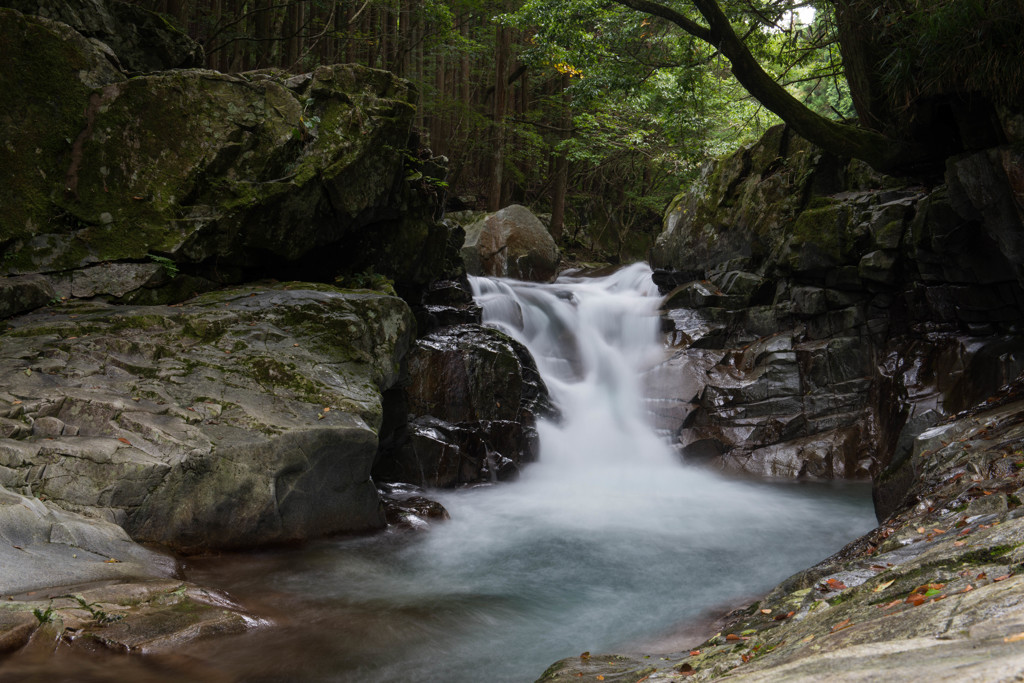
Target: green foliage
[[45, 616], [169, 266], [949, 46], [99, 615]]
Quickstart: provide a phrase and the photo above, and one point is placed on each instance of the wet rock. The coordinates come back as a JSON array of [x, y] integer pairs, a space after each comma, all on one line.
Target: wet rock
[[407, 507], [146, 616], [241, 418], [852, 276], [473, 399], [510, 243]]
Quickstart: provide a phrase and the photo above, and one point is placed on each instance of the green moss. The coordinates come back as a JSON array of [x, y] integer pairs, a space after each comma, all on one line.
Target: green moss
[[986, 555]]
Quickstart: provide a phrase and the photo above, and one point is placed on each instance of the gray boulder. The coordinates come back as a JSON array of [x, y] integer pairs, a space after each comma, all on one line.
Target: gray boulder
[[510, 243]]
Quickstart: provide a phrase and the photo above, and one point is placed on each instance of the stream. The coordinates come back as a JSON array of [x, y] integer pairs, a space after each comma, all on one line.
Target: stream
[[607, 543]]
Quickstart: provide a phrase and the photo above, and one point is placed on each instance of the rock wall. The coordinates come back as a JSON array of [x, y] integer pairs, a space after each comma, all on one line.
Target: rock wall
[[834, 314]]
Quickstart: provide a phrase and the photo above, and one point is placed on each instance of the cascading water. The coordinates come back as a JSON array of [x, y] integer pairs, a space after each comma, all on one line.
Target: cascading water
[[606, 543]]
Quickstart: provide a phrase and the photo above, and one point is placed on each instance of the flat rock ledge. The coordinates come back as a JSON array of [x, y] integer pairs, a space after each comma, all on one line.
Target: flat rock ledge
[[935, 593]]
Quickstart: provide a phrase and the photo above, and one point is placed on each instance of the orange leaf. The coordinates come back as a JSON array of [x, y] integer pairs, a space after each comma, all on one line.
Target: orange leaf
[[981, 576], [893, 603], [1004, 577], [917, 599], [845, 623], [959, 543], [694, 653], [124, 440], [766, 611], [600, 678], [1014, 638], [732, 636], [835, 584]]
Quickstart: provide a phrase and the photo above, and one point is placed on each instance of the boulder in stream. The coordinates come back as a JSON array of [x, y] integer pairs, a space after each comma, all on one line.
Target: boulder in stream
[[510, 243]]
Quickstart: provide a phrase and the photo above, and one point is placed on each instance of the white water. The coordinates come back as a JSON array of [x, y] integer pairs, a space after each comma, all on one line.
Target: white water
[[606, 543]]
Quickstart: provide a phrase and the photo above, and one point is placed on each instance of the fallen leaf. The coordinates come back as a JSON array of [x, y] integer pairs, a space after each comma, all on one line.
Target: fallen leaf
[[835, 585], [733, 636], [766, 611], [807, 639], [124, 440], [600, 678], [893, 603], [968, 588], [882, 586], [981, 576], [917, 599], [920, 529], [585, 656], [745, 658], [113, 561], [1014, 638], [694, 653], [959, 543], [845, 623], [1004, 577]]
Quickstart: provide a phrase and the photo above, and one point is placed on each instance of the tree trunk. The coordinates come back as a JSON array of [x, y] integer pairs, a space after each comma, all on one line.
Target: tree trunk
[[502, 49], [561, 184]]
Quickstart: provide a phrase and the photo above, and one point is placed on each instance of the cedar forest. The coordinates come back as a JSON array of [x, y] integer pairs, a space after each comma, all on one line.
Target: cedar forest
[[598, 111]]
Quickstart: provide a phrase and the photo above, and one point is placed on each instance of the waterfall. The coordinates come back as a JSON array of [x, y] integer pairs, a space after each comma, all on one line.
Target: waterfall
[[592, 338], [606, 542]]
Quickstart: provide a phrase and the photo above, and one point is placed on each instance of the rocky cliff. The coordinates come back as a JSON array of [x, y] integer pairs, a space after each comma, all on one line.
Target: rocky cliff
[[836, 314]]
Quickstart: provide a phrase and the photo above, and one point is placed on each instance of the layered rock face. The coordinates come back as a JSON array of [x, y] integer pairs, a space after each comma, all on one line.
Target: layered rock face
[[834, 314]]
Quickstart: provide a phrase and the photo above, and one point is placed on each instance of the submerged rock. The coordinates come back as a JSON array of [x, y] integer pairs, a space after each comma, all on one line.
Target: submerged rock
[[240, 418]]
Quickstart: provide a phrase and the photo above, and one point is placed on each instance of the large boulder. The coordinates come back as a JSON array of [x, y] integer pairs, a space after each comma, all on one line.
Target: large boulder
[[187, 179], [472, 402], [510, 243], [241, 418]]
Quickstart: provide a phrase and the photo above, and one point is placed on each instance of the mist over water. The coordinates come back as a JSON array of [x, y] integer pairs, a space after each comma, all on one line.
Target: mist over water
[[607, 543]]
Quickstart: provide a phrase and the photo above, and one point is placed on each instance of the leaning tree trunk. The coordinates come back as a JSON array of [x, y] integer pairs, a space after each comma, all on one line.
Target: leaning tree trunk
[[884, 153]]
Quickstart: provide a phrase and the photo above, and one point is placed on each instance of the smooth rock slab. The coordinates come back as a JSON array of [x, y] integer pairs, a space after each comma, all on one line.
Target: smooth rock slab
[[240, 418]]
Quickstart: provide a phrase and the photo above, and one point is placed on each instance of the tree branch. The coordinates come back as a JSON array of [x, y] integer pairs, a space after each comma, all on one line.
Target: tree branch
[[883, 153]]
